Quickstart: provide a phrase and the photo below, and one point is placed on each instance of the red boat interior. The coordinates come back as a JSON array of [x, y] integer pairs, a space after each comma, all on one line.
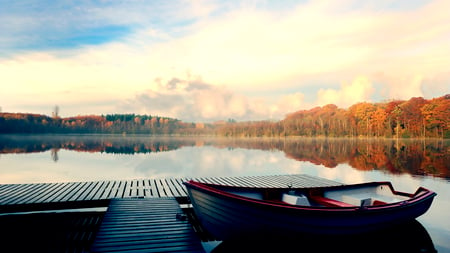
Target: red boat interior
[[373, 195]]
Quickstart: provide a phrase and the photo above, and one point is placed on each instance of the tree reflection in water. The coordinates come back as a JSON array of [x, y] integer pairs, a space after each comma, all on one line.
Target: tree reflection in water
[[415, 157], [54, 153]]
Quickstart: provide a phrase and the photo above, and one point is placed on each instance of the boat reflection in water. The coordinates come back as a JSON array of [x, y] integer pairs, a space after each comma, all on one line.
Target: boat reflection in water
[[407, 237]]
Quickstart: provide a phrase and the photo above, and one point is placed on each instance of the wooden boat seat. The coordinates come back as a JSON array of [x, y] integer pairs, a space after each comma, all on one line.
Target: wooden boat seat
[[357, 201], [299, 200], [329, 202]]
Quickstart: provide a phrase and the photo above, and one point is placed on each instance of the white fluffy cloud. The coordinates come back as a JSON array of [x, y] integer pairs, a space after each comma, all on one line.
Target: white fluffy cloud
[[359, 90], [193, 99]]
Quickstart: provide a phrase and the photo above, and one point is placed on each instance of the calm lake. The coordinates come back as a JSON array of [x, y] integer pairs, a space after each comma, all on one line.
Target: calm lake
[[408, 164]]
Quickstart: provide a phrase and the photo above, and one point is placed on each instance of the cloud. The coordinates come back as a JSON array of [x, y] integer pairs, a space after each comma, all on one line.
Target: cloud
[[253, 49], [438, 84], [359, 90], [287, 104], [47, 25], [195, 100], [402, 87], [255, 61]]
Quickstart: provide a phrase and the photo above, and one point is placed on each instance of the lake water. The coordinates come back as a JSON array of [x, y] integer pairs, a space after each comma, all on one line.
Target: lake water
[[408, 164]]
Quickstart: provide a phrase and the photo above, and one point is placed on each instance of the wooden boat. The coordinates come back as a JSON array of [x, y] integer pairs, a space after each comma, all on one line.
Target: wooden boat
[[230, 212]]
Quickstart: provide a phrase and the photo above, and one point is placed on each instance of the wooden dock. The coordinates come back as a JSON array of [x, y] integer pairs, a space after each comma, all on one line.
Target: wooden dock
[[141, 214], [47, 196], [146, 225]]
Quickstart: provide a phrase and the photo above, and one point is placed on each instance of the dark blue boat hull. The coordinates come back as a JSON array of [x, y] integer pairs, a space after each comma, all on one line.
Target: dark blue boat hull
[[228, 217]]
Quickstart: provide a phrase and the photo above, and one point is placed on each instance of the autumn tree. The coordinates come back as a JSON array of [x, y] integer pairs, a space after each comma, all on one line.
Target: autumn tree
[[436, 115]]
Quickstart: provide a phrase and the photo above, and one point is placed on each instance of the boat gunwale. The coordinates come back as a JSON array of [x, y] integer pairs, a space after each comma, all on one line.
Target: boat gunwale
[[415, 198]]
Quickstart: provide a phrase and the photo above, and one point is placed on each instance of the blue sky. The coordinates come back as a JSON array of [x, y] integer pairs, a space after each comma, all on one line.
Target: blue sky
[[213, 60]]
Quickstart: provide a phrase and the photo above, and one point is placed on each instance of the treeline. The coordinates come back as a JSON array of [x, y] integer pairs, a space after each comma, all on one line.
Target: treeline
[[108, 124], [416, 117], [413, 118]]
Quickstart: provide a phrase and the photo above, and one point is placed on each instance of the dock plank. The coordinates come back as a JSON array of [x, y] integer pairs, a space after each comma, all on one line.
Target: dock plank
[[139, 188], [178, 187], [169, 188], [154, 189], [48, 189], [160, 189], [114, 191], [145, 225], [147, 189], [52, 191], [7, 188], [128, 188], [93, 188], [121, 189], [79, 192], [107, 190], [59, 194], [18, 195], [64, 192]]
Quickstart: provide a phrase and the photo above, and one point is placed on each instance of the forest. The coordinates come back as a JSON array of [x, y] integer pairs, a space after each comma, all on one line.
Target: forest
[[413, 118]]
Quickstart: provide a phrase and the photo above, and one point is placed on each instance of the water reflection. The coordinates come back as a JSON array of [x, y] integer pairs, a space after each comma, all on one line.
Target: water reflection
[[416, 157], [410, 237], [54, 153]]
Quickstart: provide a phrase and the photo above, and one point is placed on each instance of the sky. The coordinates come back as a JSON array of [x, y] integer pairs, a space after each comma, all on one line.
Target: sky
[[202, 61]]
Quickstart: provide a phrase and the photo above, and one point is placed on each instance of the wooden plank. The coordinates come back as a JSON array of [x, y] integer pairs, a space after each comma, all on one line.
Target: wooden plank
[[20, 194], [4, 186], [229, 181], [312, 181], [97, 191], [257, 181], [173, 190], [45, 196], [121, 189], [39, 194], [107, 190], [10, 188], [76, 191], [274, 181], [179, 187], [140, 188], [81, 191], [32, 193], [167, 188], [89, 193], [278, 181], [154, 189], [114, 191], [245, 181], [64, 192], [264, 181], [127, 189], [212, 180], [147, 189], [131, 189], [145, 225], [160, 188]]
